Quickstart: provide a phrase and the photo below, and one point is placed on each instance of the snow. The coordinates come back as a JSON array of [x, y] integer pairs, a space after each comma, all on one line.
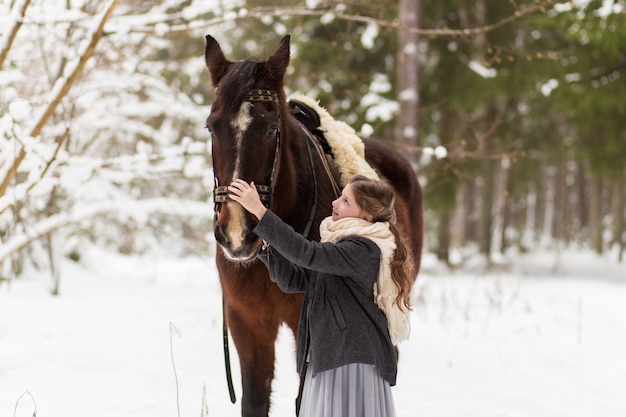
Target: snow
[[547, 88], [481, 70], [10, 23], [135, 336], [608, 7], [141, 335], [438, 151], [369, 35]]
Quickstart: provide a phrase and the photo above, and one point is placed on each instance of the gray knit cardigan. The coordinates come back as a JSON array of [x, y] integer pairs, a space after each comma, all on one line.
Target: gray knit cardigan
[[340, 323]]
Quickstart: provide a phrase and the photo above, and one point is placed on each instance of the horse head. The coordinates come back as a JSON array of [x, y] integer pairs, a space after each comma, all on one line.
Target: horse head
[[245, 125]]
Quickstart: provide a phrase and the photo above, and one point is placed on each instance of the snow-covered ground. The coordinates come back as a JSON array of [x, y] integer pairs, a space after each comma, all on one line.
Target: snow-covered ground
[[139, 336]]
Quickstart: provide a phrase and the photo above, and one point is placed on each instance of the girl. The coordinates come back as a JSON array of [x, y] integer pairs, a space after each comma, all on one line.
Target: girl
[[357, 281]]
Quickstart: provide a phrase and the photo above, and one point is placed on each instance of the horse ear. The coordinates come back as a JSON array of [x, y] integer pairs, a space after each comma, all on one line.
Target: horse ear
[[215, 60], [277, 64]]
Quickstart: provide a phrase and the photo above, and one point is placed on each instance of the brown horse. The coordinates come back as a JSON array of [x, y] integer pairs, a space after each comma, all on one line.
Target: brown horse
[[255, 137]]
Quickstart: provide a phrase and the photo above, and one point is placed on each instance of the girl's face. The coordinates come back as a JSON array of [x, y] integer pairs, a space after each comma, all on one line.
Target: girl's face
[[346, 206]]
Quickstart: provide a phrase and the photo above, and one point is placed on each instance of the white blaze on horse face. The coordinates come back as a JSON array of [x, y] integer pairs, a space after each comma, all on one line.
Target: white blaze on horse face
[[240, 124], [237, 222], [236, 225]]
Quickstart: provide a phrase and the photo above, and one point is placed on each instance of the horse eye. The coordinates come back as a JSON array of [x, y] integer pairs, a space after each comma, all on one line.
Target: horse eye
[[210, 130], [272, 131]]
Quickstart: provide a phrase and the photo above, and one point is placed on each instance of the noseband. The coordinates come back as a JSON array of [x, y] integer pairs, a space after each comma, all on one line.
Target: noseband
[[220, 192]]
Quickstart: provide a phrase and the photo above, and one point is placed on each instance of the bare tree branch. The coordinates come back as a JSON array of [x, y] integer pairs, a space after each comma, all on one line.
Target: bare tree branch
[[67, 218], [50, 224], [19, 10], [60, 90], [60, 142], [299, 11]]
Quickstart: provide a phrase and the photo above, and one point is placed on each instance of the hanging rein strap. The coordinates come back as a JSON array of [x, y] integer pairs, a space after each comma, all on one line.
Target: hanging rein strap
[[229, 373]]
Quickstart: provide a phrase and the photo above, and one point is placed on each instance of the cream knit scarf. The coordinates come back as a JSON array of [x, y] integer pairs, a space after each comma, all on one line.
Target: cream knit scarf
[[385, 290]]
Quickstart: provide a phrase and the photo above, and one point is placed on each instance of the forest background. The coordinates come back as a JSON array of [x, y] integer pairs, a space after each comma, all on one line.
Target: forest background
[[512, 112]]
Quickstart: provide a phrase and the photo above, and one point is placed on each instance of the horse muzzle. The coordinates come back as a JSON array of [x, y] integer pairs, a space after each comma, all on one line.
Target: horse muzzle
[[234, 233], [243, 253]]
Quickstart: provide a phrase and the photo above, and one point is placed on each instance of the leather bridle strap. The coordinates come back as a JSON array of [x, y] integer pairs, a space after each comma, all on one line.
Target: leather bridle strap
[[220, 192], [307, 228], [263, 95]]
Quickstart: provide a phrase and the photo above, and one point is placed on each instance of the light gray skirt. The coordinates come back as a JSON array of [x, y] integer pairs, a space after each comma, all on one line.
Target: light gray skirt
[[355, 390]]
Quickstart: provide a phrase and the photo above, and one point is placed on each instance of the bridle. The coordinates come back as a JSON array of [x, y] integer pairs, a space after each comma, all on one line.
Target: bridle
[[220, 192], [266, 192]]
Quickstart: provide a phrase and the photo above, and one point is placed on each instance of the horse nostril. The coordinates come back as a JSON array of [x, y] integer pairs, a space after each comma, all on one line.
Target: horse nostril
[[219, 232]]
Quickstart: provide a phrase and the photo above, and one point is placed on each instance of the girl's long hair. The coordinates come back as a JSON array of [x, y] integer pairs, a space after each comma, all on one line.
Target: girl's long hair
[[376, 197]]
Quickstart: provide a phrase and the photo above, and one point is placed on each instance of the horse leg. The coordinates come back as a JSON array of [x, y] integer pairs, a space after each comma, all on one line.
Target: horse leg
[[292, 322], [255, 340]]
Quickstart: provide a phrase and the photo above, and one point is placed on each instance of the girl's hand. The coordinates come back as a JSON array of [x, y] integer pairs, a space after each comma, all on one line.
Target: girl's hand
[[247, 195]]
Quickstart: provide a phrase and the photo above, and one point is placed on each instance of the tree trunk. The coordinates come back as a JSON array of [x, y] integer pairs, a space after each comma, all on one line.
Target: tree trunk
[[595, 214], [617, 214], [54, 256], [446, 137], [516, 210], [443, 238], [559, 213], [461, 216], [583, 198], [548, 213], [54, 253], [407, 72], [540, 204], [473, 205], [487, 203], [486, 183], [500, 203], [529, 227]]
